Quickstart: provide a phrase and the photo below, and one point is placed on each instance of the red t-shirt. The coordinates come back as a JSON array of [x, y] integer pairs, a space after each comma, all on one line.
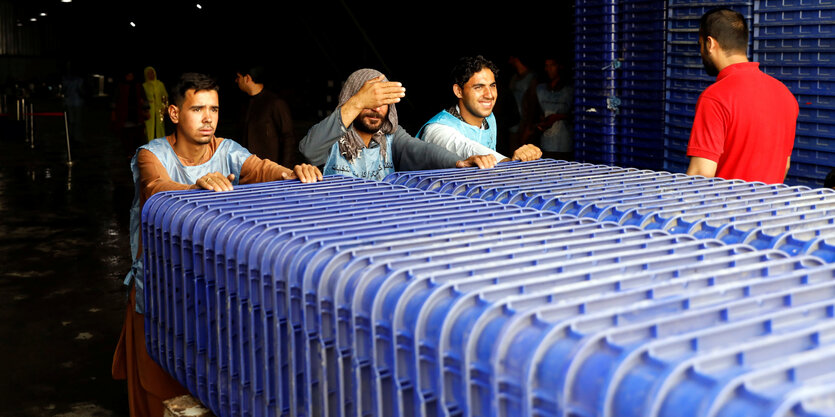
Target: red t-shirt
[[745, 122]]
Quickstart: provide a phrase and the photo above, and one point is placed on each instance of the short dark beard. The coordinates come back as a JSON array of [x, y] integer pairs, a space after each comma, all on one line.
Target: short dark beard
[[710, 69], [360, 125]]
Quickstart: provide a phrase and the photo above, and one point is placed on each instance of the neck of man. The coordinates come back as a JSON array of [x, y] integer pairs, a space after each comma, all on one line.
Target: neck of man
[[191, 153], [468, 117], [365, 136], [726, 61], [255, 89]]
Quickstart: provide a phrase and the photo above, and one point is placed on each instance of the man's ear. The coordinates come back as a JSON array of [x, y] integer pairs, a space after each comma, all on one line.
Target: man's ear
[[174, 113], [457, 91], [710, 43]]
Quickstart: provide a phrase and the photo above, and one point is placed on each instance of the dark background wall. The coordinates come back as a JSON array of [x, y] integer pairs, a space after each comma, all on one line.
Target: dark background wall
[[311, 46]]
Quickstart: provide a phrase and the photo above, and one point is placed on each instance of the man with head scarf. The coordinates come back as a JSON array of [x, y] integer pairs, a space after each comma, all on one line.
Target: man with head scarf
[[362, 138], [157, 98]]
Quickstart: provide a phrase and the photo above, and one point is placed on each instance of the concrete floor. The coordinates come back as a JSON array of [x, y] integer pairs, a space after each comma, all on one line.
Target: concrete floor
[[64, 251]]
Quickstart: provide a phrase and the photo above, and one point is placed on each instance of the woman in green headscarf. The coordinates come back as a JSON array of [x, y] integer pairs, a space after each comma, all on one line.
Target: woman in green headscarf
[[158, 100]]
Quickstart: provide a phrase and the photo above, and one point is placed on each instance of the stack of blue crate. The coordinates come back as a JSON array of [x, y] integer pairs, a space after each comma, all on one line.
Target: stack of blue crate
[[357, 298], [794, 41], [686, 78], [640, 83], [595, 102], [794, 219]]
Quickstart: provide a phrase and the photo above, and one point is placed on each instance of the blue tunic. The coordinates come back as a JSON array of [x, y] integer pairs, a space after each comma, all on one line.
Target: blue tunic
[[486, 137], [368, 164], [227, 159]]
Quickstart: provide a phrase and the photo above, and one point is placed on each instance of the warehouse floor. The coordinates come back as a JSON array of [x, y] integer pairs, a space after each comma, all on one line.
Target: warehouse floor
[[64, 250]]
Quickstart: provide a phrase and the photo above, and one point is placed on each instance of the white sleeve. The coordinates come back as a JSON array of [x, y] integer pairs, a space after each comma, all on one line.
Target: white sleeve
[[453, 141]]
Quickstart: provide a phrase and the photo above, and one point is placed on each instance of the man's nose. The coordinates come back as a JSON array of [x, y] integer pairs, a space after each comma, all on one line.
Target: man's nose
[[207, 116]]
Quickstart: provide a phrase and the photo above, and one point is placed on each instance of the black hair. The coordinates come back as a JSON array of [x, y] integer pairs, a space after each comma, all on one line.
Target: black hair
[[728, 27], [258, 73], [192, 81], [469, 65], [829, 182]]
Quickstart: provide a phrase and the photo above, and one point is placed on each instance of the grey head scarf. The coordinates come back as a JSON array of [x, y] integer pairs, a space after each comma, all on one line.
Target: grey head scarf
[[351, 144]]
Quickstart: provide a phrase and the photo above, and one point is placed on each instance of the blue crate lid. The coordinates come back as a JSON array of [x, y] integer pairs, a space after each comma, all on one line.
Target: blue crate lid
[[813, 142], [789, 31], [795, 16], [631, 100], [652, 26], [778, 59], [804, 44], [779, 5], [814, 136], [674, 165]]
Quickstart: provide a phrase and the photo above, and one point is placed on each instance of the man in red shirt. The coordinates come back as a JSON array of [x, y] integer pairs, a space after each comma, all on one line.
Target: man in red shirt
[[745, 122]]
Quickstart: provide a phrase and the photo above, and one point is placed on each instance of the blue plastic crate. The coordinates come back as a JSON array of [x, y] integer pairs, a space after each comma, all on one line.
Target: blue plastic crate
[[780, 5], [814, 157], [585, 11], [816, 142], [430, 298], [558, 390], [681, 119], [426, 297], [690, 79], [812, 171], [767, 59], [678, 158], [795, 16], [388, 299], [793, 44], [814, 136], [633, 101], [809, 182], [788, 31], [683, 39], [651, 26], [674, 164]]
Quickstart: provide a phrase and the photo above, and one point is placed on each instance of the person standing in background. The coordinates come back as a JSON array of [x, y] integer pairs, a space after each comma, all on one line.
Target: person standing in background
[[157, 98], [267, 125], [130, 112], [555, 98]]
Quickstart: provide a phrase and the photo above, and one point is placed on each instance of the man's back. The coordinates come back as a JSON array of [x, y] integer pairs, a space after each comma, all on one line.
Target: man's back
[[268, 128], [746, 122]]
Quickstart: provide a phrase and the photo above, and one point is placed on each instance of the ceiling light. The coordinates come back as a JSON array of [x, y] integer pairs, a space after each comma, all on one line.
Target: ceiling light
[[199, 6], [66, 1], [43, 14], [133, 25], [34, 19]]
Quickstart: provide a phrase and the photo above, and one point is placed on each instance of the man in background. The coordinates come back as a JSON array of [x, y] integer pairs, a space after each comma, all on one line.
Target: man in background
[[267, 125]]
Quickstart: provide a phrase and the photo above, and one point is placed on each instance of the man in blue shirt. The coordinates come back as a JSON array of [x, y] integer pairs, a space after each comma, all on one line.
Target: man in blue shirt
[[469, 127]]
